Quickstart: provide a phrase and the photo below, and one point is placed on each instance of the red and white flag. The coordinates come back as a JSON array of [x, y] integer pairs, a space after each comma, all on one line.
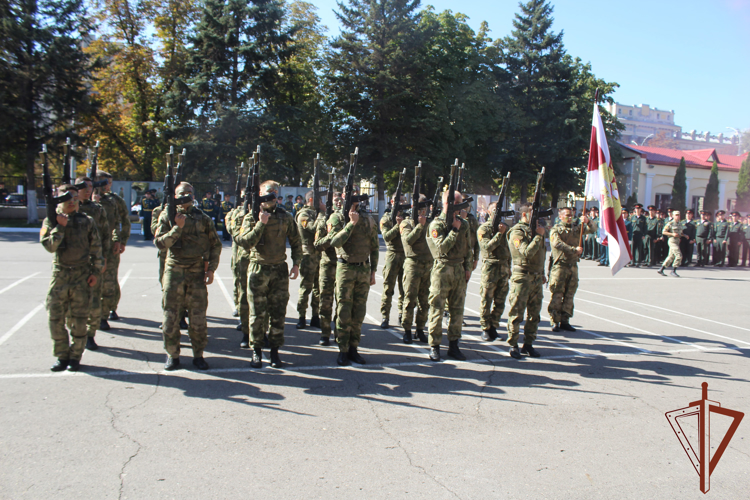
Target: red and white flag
[[601, 186]]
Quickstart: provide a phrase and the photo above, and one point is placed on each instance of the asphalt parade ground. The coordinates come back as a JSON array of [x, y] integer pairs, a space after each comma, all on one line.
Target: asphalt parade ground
[[587, 420]]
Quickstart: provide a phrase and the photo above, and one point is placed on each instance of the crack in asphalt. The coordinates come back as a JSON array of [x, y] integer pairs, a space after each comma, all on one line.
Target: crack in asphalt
[[113, 418], [488, 382]]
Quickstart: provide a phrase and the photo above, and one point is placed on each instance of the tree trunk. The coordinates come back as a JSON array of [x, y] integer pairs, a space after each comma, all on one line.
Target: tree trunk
[[31, 213]]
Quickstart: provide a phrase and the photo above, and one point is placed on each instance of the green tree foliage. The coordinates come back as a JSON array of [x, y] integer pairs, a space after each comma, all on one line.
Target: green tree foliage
[[743, 186], [711, 198], [679, 186]]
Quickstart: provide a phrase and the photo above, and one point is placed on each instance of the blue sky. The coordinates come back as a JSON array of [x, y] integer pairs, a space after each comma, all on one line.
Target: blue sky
[[690, 56]]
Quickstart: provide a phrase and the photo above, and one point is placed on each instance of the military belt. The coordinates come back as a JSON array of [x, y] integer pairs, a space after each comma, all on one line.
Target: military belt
[[521, 270], [344, 261], [71, 268]]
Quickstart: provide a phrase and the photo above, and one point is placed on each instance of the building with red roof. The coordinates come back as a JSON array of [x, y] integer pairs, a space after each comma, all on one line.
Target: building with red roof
[[649, 173]]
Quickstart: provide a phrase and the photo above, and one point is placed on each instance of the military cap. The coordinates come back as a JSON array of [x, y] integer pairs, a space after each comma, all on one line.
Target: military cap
[[736, 213], [688, 211], [652, 207], [722, 212], [637, 205], [705, 212]]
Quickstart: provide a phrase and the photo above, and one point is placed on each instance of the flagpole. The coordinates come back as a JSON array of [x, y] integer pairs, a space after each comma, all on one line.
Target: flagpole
[[585, 188]]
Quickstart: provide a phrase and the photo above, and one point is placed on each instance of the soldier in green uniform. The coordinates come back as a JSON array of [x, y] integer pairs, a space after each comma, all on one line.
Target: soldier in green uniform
[[327, 274], [449, 243], [746, 241], [734, 239], [721, 233], [673, 230], [476, 250], [193, 252], [94, 210], [639, 231], [236, 220], [688, 241], [526, 282], [417, 268], [649, 239], [563, 276], [209, 207], [307, 220], [493, 288], [119, 224], [357, 251], [661, 243], [268, 273], [704, 235], [226, 207], [148, 204], [393, 270], [76, 268]]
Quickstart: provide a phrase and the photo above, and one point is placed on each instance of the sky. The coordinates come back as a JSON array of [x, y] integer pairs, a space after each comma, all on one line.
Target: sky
[[690, 56]]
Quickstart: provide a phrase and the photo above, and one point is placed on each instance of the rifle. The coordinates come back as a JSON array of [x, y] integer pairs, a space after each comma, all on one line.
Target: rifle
[[51, 201], [169, 189], [499, 213], [316, 185], [238, 184], [66, 161], [329, 196], [436, 206], [397, 206], [415, 193], [178, 170], [255, 198], [536, 212], [94, 165], [349, 189], [451, 206]]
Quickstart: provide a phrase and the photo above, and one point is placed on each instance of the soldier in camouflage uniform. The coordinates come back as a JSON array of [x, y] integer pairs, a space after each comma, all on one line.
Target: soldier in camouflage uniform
[[563, 277], [493, 288], [417, 267], [96, 212], [393, 270], [327, 274], [241, 265], [193, 252], [526, 282], [449, 243], [162, 253], [76, 268], [673, 230], [268, 273], [307, 221], [119, 224], [357, 252]]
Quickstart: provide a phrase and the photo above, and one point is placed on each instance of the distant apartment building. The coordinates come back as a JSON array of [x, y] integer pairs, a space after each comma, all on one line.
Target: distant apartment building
[[643, 123]]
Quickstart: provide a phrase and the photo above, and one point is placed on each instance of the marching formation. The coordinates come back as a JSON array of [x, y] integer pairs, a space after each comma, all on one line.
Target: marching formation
[[433, 246]]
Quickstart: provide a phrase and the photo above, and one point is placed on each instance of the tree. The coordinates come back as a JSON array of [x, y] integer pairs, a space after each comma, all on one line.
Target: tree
[[743, 186], [711, 198], [42, 74], [679, 186], [663, 139]]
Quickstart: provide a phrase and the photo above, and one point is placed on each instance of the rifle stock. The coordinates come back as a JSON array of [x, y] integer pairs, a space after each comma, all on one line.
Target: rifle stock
[[316, 184], [450, 206], [397, 206], [415, 193], [50, 200], [329, 196], [94, 167], [238, 185], [536, 211], [436, 206], [349, 189], [66, 162], [169, 194], [499, 213]]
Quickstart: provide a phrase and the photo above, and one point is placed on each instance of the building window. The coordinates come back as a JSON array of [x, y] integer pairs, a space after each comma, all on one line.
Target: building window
[[663, 201], [697, 204], [630, 112], [658, 116]]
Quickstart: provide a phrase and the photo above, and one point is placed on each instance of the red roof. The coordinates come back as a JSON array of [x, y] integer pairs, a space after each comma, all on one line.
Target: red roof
[[700, 158]]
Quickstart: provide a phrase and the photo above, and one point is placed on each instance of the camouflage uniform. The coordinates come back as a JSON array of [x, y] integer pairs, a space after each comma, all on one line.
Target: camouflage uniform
[[453, 258], [189, 249], [119, 225], [162, 255], [96, 212], [327, 276], [473, 236], [310, 266], [417, 267], [357, 251], [241, 264], [526, 282], [268, 272], [675, 256], [493, 288], [78, 255], [563, 277], [393, 270]]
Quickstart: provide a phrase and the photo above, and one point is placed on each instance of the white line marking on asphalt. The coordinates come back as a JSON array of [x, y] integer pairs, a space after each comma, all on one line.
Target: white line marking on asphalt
[[667, 310], [396, 334], [224, 291], [20, 324], [124, 279], [18, 282]]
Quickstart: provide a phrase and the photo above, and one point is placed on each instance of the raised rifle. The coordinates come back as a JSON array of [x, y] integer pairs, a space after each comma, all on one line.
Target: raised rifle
[[329, 195], [349, 189], [415, 205], [451, 205], [94, 165], [397, 205], [169, 179], [316, 184], [436, 205], [499, 213], [536, 211], [238, 184], [256, 199], [66, 162], [51, 201]]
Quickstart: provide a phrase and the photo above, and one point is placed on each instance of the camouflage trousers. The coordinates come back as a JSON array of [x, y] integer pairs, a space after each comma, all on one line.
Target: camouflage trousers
[[237, 282], [563, 283], [110, 285], [309, 271], [69, 294], [327, 284], [267, 297], [393, 272], [162, 264], [417, 292], [95, 310], [447, 285], [185, 288], [525, 296], [352, 288], [674, 257], [241, 264], [493, 289]]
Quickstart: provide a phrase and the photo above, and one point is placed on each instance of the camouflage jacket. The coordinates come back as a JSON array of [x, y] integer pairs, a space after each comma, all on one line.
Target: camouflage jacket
[[195, 243], [266, 243], [355, 243], [74, 245]]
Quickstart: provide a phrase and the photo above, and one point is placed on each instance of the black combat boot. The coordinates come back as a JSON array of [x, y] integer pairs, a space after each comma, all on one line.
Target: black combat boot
[[661, 271], [91, 344], [454, 352], [315, 321], [528, 349], [556, 327], [257, 361], [275, 359], [200, 363], [172, 364], [238, 327], [421, 336], [407, 337], [324, 340], [60, 365], [435, 353], [74, 365], [235, 314], [354, 355], [343, 359], [515, 353], [674, 273], [103, 325], [564, 325], [113, 316], [183, 324], [301, 323], [245, 342], [266, 342], [384, 323], [399, 318]]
